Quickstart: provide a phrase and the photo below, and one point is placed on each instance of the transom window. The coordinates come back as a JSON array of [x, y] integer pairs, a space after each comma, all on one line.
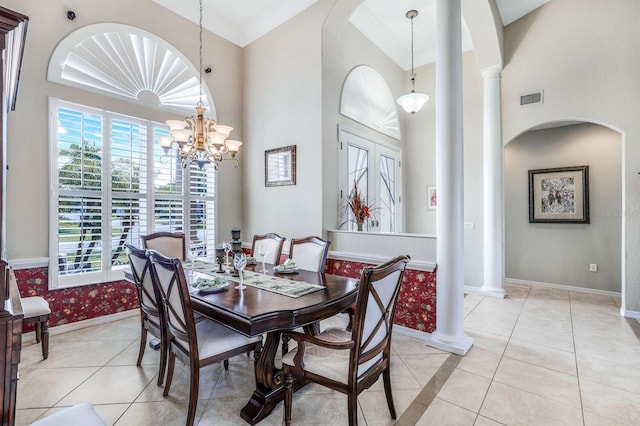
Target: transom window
[[111, 183]]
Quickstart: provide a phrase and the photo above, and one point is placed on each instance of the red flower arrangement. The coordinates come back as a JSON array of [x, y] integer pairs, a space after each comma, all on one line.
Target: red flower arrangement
[[358, 205]]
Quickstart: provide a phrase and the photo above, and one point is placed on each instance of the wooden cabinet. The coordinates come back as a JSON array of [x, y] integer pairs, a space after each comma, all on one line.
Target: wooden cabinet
[[13, 30]]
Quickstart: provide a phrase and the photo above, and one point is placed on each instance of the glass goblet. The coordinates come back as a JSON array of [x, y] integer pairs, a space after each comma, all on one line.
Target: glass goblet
[[240, 262], [263, 251]]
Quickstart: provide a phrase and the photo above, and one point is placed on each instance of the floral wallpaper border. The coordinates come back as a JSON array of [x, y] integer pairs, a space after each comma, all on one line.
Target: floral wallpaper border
[[416, 307]]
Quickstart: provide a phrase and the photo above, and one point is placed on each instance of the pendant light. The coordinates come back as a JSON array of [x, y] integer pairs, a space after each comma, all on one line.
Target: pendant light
[[412, 102]]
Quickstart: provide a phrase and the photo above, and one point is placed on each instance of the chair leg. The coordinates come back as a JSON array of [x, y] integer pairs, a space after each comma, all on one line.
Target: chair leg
[[172, 363], [288, 396], [193, 393], [163, 360], [38, 332], [143, 344], [352, 401], [44, 331], [226, 364], [386, 377], [285, 344]]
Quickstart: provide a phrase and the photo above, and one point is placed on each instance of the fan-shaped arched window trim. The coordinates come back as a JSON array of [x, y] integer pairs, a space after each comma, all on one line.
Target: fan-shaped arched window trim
[[367, 99], [126, 62]]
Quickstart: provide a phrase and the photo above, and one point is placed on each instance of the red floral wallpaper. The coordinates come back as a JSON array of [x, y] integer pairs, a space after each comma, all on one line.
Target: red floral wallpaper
[[416, 306], [77, 303]]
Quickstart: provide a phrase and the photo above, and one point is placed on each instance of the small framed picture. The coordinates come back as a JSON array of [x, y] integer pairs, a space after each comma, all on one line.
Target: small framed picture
[[280, 166], [559, 195], [432, 201]]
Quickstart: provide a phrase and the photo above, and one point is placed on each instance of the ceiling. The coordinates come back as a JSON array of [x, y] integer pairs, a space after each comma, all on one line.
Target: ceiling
[[382, 21]]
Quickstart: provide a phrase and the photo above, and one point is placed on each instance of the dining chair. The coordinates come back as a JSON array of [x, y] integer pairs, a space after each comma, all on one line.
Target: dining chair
[[171, 244], [309, 253], [151, 314], [36, 311], [273, 244], [196, 345], [351, 361]]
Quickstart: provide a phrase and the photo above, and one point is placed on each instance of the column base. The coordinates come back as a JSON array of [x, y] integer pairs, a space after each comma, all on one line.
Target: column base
[[458, 345], [492, 292]]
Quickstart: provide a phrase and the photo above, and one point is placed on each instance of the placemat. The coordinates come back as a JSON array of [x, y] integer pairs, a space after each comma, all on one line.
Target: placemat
[[277, 284]]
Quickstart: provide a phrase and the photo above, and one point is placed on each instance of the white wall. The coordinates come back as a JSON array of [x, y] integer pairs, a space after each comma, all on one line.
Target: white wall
[[584, 56], [28, 138], [283, 106], [558, 253]]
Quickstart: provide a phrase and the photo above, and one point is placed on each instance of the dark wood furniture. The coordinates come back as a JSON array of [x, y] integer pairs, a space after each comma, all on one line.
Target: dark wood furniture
[[310, 252], [275, 243], [359, 356], [13, 31], [170, 244], [150, 311], [254, 311], [194, 344]]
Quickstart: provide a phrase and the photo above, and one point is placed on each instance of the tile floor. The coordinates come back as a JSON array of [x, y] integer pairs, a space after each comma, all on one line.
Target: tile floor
[[540, 357]]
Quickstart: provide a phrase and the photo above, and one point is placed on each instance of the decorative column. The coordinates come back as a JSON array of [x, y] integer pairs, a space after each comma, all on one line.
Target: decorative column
[[492, 185], [449, 334]]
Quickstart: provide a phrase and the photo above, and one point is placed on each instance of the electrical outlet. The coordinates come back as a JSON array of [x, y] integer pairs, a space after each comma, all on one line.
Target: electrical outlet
[[593, 267]]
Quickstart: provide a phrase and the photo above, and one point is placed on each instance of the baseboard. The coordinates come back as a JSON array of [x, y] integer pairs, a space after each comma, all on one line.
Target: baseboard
[[29, 263], [406, 331], [560, 287], [79, 325], [630, 314]]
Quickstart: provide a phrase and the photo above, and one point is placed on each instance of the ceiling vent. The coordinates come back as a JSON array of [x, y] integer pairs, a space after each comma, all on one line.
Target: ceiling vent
[[531, 98]]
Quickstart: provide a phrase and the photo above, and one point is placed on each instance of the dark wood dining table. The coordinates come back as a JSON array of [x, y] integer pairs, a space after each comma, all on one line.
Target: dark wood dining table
[[253, 311]]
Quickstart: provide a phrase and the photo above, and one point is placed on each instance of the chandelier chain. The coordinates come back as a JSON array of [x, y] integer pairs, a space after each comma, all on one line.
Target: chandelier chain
[[200, 53]]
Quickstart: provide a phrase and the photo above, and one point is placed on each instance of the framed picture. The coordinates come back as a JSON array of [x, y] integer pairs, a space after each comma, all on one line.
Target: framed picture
[[280, 166], [432, 201], [559, 195]]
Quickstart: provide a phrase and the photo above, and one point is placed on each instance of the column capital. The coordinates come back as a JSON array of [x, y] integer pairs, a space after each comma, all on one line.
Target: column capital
[[491, 72]]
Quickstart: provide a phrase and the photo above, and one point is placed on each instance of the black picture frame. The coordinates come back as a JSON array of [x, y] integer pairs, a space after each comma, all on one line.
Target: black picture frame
[[559, 195]]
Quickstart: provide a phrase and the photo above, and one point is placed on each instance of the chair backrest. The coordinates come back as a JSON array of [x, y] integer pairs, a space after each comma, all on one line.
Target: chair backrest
[[309, 253], [172, 283], [170, 244], [273, 243], [141, 271], [373, 319]]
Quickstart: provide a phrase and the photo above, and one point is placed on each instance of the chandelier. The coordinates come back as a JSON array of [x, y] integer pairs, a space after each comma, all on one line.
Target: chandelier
[[198, 138], [412, 102]]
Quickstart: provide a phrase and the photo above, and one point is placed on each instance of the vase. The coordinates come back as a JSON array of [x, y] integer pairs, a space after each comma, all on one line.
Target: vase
[[359, 226]]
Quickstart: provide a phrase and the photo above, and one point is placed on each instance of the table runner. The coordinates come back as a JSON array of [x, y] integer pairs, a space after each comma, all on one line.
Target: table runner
[[271, 283]]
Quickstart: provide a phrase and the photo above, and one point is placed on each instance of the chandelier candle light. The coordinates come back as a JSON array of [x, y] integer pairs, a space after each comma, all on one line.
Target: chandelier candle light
[[199, 138], [412, 102]]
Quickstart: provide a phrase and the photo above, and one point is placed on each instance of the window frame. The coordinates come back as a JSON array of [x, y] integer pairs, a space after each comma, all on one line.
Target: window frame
[[109, 272]]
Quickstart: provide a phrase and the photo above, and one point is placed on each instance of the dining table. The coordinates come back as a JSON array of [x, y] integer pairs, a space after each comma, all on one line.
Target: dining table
[[270, 304]]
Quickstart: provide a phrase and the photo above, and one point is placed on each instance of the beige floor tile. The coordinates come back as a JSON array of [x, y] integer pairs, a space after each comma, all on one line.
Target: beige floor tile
[[443, 413], [543, 356], [511, 406], [124, 329], [483, 421], [609, 373], [129, 356], [608, 402], [165, 413], [542, 381], [531, 311], [406, 345], [424, 367], [330, 410], [465, 390], [491, 322], [27, 416], [490, 342], [481, 362], [226, 412], [401, 377], [625, 354], [591, 419], [375, 409], [112, 385], [238, 381], [558, 338], [43, 388], [110, 413], [75, 354], [180, 384]]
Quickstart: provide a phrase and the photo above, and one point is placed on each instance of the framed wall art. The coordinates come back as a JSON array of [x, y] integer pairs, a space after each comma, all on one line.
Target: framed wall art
[[432, 200], [559, 195], [280, 166]]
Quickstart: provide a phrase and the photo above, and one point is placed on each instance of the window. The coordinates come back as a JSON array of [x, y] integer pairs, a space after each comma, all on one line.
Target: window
[[111, 183], [375, 168]]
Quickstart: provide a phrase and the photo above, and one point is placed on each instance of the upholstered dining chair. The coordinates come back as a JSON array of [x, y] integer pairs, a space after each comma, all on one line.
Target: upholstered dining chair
[[151, 315], [171, 244], [309, 253], [196, 345], [36, 311], [351, 361], [273, 244]]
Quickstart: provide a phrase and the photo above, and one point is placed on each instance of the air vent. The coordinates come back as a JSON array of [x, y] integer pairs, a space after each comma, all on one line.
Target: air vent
[[531, 98]]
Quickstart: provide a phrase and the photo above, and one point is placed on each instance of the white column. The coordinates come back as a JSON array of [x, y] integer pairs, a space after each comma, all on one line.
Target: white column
[[492, 184], [449, 334]]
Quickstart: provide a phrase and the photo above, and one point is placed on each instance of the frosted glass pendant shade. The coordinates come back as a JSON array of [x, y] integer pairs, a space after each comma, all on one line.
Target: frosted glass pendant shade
[[412, 102]]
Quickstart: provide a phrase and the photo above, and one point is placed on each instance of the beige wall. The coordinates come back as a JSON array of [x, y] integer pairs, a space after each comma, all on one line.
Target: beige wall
[[583, 55], [28, 136]]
